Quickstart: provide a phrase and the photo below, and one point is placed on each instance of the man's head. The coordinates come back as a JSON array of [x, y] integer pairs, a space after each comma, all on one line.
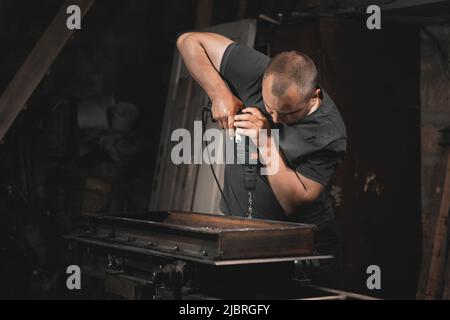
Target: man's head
[[290, 86]]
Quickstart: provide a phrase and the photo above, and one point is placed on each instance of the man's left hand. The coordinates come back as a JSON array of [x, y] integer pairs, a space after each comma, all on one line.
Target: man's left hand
[[250, 122]]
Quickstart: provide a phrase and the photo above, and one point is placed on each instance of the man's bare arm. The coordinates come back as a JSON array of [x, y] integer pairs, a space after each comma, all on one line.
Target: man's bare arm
[[292, 189], [202, 54]]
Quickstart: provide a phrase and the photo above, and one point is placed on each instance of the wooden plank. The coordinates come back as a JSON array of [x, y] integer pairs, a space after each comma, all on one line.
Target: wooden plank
[[159, 178], [203, 16], [436, 273], [403, 4], [173, 173], [182, 198], [348, 295], [36, 65], [336, 297], [224, 222], [446, 294], [242, 10]]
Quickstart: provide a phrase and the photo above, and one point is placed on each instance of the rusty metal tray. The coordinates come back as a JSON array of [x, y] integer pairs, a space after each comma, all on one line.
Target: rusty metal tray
[[198, 236]]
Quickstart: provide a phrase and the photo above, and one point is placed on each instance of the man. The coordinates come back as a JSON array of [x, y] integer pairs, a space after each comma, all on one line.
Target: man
[[284, 94]]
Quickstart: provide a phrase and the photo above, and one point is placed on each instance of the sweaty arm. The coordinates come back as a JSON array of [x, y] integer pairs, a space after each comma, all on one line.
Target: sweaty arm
[[202, 54]]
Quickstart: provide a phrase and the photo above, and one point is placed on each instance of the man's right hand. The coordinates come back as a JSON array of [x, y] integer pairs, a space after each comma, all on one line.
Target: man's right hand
[[202, 54], [224, 108]]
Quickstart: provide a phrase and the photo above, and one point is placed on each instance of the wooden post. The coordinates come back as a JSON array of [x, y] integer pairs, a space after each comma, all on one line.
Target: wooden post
[[204, 12], [242, 9], [36, 65], [446, 294], [436, 273]]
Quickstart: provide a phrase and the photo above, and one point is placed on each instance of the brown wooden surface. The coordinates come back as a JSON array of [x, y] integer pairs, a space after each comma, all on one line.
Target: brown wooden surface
[[266, 243], [36, 65], [436, 276], [204, 13], [446, 294], [193, 219], [223, 222]]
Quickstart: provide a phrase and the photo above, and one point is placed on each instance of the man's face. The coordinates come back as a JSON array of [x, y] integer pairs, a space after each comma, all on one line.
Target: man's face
[[288, 108]]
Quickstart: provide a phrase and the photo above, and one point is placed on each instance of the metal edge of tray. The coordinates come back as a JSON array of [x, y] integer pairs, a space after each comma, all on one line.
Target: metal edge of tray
[[118, 219], [134, 249]]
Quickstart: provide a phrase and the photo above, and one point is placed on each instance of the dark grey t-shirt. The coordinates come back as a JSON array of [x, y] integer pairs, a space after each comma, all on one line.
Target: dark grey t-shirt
[[313, 146]]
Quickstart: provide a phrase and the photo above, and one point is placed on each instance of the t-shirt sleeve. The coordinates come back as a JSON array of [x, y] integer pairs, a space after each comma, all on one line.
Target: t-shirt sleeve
[[243, 68], [320, 166]]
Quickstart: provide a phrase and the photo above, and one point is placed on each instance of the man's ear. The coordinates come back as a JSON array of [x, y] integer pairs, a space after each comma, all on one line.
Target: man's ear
[[317, 93]]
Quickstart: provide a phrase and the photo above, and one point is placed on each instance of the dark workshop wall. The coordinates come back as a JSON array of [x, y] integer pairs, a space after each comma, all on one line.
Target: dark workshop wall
[[435, 115], [125, 49], [374, 79]]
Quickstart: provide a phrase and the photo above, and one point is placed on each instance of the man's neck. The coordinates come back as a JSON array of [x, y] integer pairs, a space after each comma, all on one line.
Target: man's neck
[[315, 105]]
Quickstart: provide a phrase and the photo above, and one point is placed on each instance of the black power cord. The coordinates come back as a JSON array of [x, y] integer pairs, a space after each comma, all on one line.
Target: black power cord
[[205, 111]]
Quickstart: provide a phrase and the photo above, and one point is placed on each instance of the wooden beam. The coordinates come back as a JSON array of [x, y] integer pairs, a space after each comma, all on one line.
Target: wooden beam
[[446, 294], [435, 283], [242, 10], [347, 295], [204, 13], [36, 65], [402, 4]]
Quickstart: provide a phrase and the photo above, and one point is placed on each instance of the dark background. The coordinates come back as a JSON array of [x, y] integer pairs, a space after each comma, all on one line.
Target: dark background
[[51, 171]]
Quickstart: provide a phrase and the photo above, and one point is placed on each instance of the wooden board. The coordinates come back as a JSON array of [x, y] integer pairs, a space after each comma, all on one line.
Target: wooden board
[[36, 65], [436, 277]]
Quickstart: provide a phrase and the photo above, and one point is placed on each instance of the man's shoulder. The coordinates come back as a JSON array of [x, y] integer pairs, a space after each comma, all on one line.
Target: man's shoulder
[[243, 68], [333, 117], [322, 130], [243, 57]]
